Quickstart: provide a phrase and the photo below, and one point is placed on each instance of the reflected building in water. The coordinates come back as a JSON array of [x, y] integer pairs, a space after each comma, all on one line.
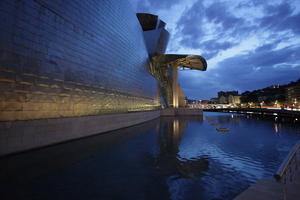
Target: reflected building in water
[[167, 162], [224, 119], [171, 132]]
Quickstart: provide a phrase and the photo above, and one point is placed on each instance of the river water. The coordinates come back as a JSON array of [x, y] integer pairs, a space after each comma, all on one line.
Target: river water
[[167, 158]]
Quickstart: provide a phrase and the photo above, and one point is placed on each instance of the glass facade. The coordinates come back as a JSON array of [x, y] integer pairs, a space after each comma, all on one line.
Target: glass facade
[[72, 58]]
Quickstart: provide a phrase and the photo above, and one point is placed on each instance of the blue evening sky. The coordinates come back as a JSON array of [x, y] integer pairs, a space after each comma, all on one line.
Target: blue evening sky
[[248, 44]]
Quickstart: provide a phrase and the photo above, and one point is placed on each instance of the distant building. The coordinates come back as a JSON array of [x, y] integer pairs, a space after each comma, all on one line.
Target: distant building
[[262, 98], [214, 100], [226, 94], [231, 97], [204, 102], [293, 94], [234, 99], [223, 99]]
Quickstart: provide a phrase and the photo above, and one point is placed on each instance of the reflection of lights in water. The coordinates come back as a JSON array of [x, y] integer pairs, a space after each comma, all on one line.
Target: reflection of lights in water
[[176, 126], [277, 127], [231, 116], [275, 114]]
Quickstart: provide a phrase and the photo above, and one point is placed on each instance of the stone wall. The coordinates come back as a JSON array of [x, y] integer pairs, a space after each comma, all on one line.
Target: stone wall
[[72, 58]]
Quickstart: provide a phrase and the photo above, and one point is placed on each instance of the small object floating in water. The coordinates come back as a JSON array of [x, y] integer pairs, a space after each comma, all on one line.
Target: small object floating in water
[[222, 129], [215, 124]]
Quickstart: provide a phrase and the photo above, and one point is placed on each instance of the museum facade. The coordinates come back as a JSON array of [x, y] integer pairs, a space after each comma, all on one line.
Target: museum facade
[[74, 58]]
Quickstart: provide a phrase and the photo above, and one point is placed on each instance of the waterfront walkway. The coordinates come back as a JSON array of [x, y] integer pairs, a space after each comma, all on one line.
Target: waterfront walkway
[[286, 188], [260, 111]]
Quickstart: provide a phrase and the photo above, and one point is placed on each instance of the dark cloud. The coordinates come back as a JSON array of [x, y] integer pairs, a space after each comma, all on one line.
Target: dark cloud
[[213, 47], [190, 23], [192, 27], [282, 10], [259, 64], [271, 58], [267, 47], [218, 14], [280, 18], [154, 5], [208, 55], [160, 4], [250, 3]]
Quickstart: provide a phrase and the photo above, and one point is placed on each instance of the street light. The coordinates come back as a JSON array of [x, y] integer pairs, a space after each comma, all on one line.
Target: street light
[[261, 104]]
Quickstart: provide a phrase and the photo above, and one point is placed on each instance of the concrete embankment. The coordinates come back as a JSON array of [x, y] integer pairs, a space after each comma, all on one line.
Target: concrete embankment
[[180, 111], [18, 136]]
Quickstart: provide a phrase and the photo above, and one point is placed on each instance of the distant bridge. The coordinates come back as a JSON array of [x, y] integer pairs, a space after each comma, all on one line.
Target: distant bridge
[[259, 111]]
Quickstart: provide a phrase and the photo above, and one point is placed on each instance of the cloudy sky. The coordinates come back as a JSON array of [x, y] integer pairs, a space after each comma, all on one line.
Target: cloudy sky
[[248, 44]]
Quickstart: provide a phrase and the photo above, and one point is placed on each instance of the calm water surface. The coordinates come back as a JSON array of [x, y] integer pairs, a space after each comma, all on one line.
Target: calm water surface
[[167, 158]]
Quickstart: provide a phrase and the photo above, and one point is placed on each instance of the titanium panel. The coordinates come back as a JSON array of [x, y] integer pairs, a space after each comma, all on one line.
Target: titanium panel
[[72, 58]]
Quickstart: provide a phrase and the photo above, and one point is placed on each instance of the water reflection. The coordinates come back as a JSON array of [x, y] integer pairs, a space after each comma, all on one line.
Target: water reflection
[[170, 133], [234, 119], [43, 162], [277, 127], [168, 158]]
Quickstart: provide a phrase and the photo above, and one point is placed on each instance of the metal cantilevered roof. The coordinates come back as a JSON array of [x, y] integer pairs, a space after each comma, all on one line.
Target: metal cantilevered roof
[[189, 61]]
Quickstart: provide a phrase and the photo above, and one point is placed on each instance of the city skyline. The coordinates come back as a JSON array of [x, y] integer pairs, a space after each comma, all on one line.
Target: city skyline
[[248, 44]]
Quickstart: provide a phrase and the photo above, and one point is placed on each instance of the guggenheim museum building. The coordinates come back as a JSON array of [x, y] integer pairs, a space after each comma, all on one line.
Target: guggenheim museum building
[[73, 68]]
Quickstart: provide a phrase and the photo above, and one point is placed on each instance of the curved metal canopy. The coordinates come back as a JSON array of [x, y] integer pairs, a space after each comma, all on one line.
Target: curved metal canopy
[[190, 61]]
